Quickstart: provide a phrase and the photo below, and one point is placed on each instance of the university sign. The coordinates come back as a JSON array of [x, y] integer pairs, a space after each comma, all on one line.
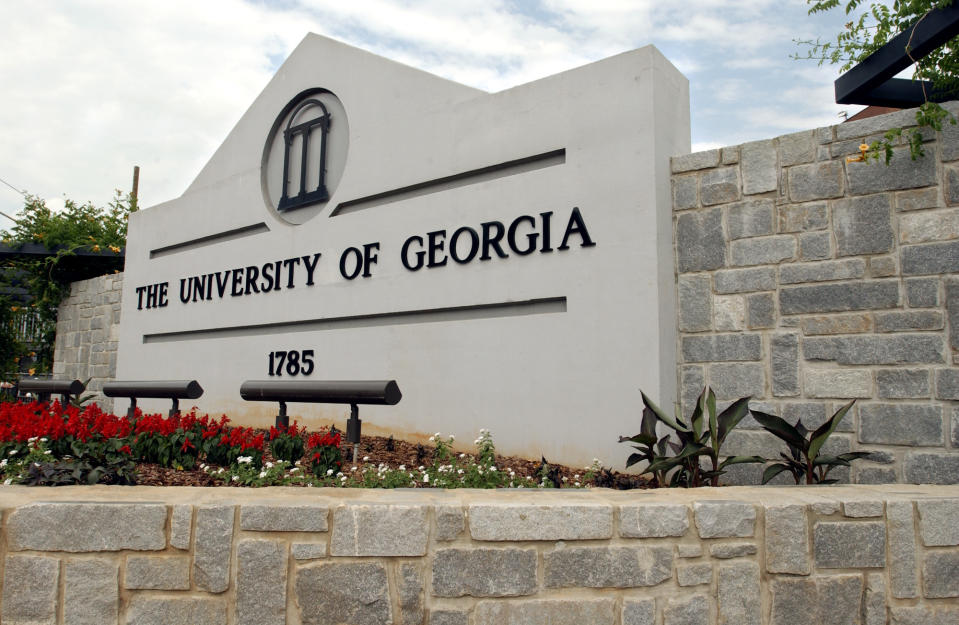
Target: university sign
[[505, 257]]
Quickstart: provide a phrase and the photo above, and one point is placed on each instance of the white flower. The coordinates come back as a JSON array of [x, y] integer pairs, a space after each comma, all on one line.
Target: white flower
[[13, 452], [244, 459], [43, 440], [8, 481], [366, 458], [426, 478], [262, 474], [47, 452], [221, 470], [342, 478], [576, 484], [352, 469], [452, 438], [432, 438], [437, 435], [269, 465], [460, 471], [339, 474], [31, 439], [402, 467], [329, 471], [576, 476], [420, 468], [294, 469], [565, 479], [297, 463], [236, 478], [3, 462], [462, 455]]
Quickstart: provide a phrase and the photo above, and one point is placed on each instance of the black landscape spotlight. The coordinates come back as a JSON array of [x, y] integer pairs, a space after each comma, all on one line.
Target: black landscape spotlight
[[353, 392]]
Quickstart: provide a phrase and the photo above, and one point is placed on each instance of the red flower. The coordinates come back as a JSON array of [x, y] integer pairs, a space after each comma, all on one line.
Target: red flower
[[186, 445], [126, 449]]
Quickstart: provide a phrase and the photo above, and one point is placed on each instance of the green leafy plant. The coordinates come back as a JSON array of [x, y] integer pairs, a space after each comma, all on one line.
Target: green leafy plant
[[703, 437], [805, 460], [286, 443]]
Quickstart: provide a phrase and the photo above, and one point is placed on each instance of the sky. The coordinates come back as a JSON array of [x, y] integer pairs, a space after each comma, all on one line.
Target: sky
[[90, 88]]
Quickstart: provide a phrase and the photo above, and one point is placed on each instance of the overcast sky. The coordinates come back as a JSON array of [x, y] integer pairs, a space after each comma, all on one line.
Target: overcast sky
[[91, 88]]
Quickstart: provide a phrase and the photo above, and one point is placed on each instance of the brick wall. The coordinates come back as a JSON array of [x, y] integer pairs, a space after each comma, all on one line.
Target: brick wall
[[87, 326], [194, 556], [805, 281]]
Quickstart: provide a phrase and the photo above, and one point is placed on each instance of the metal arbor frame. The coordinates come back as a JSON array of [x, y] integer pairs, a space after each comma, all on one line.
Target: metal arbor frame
[[872, 81]]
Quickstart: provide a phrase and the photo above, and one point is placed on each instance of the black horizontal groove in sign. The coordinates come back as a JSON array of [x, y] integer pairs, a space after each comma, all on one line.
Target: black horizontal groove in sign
[[462, 179], [494, 310], [219, 237]]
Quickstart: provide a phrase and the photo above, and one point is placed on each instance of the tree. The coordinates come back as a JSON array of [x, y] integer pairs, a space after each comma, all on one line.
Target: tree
[[869, 28], [45, 278]]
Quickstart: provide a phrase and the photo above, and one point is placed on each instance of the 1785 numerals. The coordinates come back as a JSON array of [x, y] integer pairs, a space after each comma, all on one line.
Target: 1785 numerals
[[292, 362]]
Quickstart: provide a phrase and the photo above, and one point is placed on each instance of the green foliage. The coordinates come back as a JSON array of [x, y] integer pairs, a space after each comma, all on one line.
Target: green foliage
[[702, 438], [287, 444], [870, 26], [804, 459], [77, 226]]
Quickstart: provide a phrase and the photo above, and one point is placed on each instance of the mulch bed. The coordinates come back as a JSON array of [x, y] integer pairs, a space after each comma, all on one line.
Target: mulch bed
[[395, 452]]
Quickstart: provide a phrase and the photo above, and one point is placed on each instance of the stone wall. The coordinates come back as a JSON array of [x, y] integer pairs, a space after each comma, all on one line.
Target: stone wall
[[87, 325], [805, 280], [291, 556]]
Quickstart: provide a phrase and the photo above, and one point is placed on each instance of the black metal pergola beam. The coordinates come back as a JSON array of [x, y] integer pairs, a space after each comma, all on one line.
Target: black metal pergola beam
[[872, 81], [82, 264]]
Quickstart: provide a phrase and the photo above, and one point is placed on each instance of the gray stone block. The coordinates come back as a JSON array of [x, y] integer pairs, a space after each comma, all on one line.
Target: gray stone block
[[738, 594], [826, 600], [952, 311], [90, 592], [901, 173], [546, 612], [725, 519], [863, 225], [908, 321], [924, 615], [838, 383], [685, 192], [743, 442], [79, 527], [762, 250], [211, 555], [329, 593], [822, 271], [862, 508], [730, 155], [729, 313], [727, 551], [797, 148], [918, 199], [955, 428], [922, 292], [694, 161], [745, 280], [856, 323], [792, 597], [181, 526], [901, 424], [689, 550], [284, 518], [937, 522], [653, 520], [751, 218], [721, 348], [947, 384], [760, 311], [692, 610], [308, 551], [368, 530], [409, 589], [759, 166], [607, 567], [450, 522], [902, 383], [930, 258], [803, 217], [484, 572], [511, 522], [841, 545], [171, 610], [875, 350], [157, 573], [700, 243], [785, 364], [732, 380], [719, 186], [815, 181], [839, 297], [692, 381], [926, 226], [695, 297], [639, 612], [940, 574], [449, 617], [874, 606], [883, 266], [876, 475], [261, 582], [787, 540], [930, 468], [694, 574]]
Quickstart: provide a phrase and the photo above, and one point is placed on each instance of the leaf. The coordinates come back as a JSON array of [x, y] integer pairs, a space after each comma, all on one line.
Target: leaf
[[772, 471], [642, 439], [698, 412], [731, 416], [634, 458], [824, 431], [740, 460], [662, 416], [780, 428]]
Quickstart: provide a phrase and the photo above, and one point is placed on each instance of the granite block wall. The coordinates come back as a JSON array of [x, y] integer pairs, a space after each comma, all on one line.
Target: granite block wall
[[806, 279], [291, 556], [87, 325]]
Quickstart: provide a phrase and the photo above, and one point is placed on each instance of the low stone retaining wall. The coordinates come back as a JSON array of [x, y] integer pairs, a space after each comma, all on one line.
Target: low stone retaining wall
[[291, 556]]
